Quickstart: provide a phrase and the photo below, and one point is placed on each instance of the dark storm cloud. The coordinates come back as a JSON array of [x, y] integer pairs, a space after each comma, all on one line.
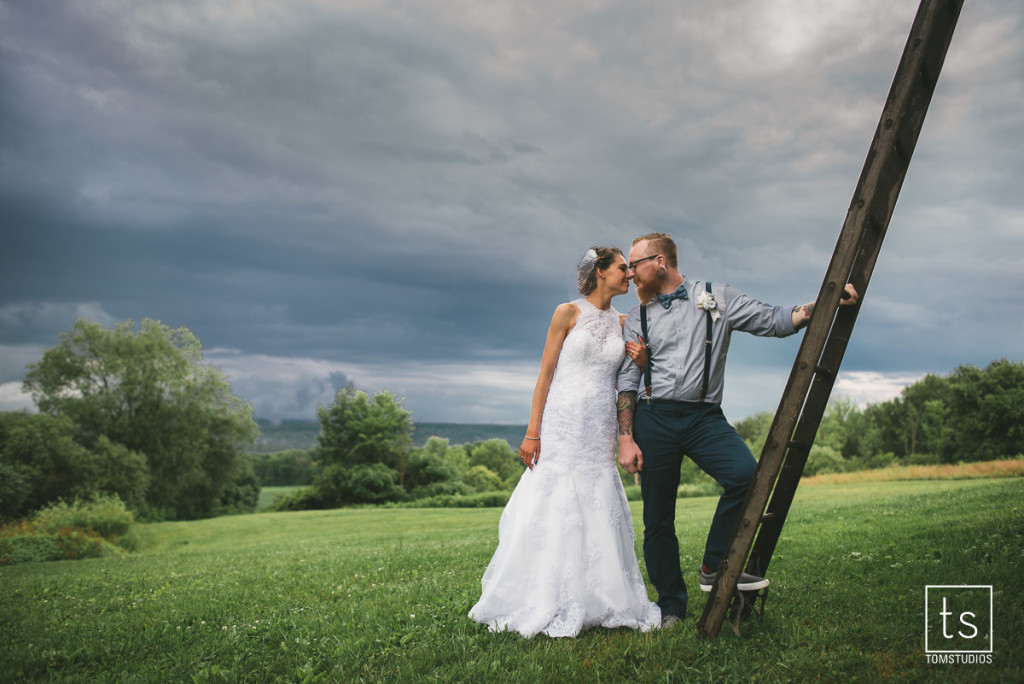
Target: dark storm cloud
[[396, 195]]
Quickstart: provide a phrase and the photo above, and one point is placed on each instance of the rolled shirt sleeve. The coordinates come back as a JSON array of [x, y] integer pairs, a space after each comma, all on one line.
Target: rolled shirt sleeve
[[630, 373], [751, 316]]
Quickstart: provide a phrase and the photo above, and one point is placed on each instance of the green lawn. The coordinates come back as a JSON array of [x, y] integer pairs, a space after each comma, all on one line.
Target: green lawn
[[382, 594]]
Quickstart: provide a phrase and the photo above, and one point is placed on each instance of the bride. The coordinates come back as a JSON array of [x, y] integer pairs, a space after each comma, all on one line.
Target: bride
[[565, 559]]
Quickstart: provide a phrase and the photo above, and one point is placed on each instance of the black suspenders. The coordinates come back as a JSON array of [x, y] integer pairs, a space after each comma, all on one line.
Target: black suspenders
[[707, 351], [647, 366]]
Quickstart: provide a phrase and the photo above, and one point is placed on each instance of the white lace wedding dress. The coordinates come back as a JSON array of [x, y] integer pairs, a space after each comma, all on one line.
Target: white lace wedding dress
[[565, 559]]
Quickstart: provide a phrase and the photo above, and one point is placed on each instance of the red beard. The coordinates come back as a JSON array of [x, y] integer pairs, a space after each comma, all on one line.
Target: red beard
[[649, 289]]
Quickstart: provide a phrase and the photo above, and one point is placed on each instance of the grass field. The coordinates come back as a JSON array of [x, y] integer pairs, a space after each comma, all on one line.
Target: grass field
[[382, 594]]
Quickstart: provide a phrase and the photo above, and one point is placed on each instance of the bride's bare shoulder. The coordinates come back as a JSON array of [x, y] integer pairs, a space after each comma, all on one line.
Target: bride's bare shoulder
[[565, 315]]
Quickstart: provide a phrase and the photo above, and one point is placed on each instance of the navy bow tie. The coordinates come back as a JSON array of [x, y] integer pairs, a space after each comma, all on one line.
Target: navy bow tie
[[666, 299]]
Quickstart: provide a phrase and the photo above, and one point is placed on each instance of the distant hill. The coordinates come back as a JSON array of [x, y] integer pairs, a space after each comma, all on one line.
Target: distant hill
[[301, 434], [464, 433]]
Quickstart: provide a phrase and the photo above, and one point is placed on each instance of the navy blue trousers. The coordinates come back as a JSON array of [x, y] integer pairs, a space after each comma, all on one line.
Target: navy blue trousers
[[666, 431]]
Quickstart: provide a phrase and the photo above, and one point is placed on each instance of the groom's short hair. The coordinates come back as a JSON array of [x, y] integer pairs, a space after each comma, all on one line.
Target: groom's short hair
[[663, 245]]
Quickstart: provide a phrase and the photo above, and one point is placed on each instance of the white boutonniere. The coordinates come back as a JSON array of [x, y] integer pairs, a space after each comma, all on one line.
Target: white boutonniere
[[707, 302]]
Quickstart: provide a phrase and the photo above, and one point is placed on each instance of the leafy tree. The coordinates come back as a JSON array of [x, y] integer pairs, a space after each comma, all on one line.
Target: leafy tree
[[357, 430], [364, 444], [845, 429], [925, 405], [241, 491], [14, 486], [149, 391], [483, 479], [497, 456], [429, 465], [284, 468], [985, 412], [118, 470], [370, 483], [885, 432], [40, 462], [754, 430]]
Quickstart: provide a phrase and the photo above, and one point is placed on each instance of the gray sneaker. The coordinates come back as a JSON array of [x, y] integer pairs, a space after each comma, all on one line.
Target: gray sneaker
[[669, 622], [746, 582]]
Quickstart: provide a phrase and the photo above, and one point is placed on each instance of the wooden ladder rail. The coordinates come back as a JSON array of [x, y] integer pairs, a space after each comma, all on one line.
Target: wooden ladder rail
[[821, 352]]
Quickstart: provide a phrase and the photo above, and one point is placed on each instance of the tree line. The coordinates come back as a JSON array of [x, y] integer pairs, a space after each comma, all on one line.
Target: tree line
[[972, 414], [365, 456], [134, 412]]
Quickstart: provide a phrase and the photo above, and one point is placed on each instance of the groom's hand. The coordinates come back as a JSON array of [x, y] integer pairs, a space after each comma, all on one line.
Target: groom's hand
[[630, 457]]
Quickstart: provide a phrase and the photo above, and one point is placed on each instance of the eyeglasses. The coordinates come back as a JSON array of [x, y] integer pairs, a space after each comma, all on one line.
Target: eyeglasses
[[634, 264]]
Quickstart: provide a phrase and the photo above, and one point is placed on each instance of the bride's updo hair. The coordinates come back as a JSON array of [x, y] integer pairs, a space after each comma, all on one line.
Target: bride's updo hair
[[595, 258]]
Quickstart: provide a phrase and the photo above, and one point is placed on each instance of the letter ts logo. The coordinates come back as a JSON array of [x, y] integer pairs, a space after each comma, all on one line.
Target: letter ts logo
[[958, 619]]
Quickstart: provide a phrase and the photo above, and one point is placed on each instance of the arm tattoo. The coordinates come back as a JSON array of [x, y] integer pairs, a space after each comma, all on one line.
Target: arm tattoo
[[625, 407], [808, 310]]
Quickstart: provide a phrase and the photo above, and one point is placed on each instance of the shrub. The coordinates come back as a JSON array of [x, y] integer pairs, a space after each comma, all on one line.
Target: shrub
[[241, 493], [305, 499], [497, 456], [428, 467], [871, 462], [337, 486], [479, 500], [367, 483], [64, 531], [707, 488], [633, 493], [823, 459], [921, 459], [483, 479], [21, 543], [440, 489], [106, 515]]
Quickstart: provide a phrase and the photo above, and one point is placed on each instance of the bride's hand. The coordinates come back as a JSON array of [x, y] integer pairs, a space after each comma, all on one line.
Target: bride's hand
[[529, 452], [637, 351]]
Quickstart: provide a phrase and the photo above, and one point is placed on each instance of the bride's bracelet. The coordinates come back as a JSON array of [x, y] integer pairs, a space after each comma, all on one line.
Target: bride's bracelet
[[533, 438]]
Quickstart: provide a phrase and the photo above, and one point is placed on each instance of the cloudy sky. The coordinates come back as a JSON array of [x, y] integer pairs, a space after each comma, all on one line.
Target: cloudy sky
[[395, 194]]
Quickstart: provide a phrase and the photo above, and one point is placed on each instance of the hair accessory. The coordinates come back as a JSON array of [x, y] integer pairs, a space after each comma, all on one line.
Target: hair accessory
[[585, 268]]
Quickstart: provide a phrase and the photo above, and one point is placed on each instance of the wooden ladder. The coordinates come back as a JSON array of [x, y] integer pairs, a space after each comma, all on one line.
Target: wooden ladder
[[821, 352]]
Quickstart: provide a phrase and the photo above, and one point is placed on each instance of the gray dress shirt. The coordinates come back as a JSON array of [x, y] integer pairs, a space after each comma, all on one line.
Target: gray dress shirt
[[676, 340]]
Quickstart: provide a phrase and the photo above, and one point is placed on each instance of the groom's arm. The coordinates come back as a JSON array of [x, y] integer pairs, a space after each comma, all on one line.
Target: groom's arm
[[625, 408], [630, 457]]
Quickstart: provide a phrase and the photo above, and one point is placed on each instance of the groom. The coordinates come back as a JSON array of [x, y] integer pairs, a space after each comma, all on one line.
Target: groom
[[687, 326]]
